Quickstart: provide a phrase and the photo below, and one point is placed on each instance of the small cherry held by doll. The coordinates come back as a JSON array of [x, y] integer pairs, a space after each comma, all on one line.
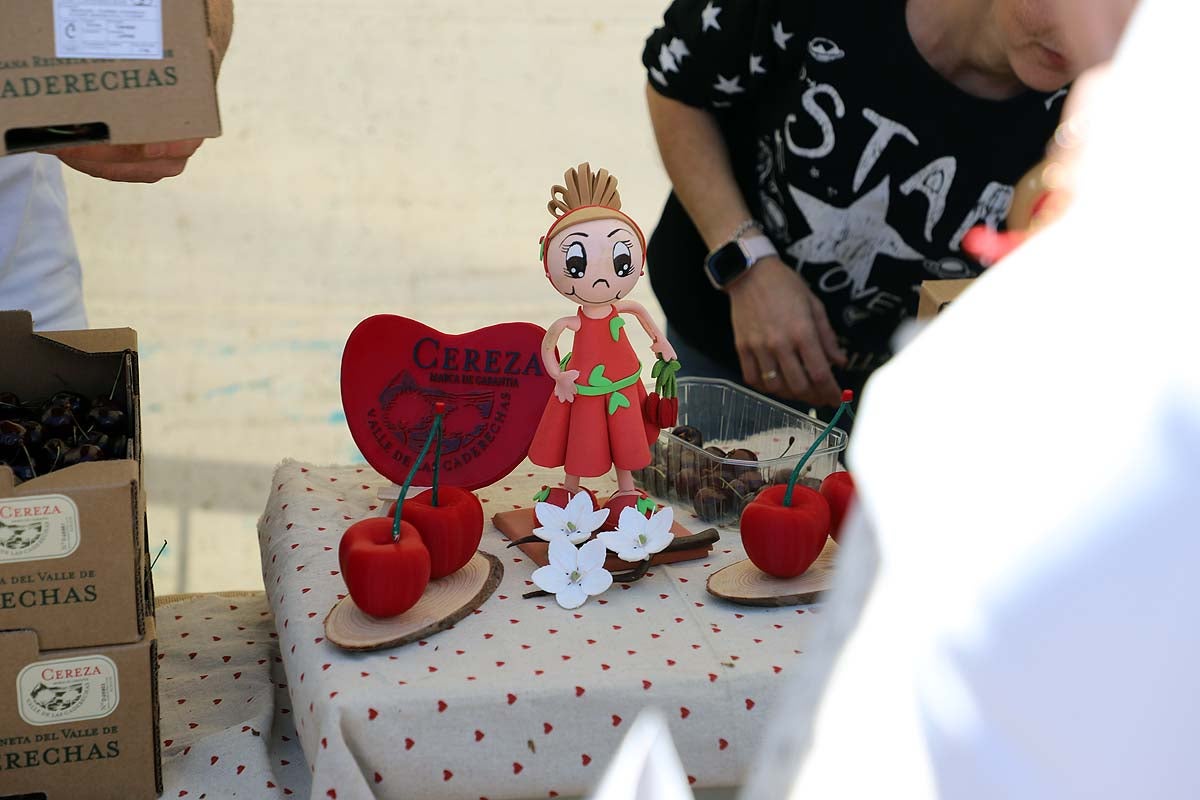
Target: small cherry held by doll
[[593, 255]]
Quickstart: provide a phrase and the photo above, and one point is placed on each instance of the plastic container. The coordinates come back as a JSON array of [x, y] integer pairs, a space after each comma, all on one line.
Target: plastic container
[[730, 417]]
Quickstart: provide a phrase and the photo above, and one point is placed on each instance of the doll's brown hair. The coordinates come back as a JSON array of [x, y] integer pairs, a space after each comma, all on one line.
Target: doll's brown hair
[[586, 196]]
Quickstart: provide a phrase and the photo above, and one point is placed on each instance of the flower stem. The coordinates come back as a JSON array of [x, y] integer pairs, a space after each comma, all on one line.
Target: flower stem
[[847, 398]]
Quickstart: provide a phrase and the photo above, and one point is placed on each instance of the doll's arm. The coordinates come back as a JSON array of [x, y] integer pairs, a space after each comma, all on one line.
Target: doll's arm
[[564, 380], [658, 339]]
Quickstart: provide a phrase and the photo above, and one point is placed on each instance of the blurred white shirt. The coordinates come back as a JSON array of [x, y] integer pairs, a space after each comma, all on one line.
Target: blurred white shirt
[[39, 266], [1033, 630]]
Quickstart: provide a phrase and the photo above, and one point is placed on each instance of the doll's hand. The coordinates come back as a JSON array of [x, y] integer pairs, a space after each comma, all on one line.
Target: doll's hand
[[564, 386], [664, 349]]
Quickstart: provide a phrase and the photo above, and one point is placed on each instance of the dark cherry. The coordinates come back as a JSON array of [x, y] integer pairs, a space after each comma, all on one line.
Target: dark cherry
[[687, 481], [753, 480], [712, 503], [742, 454], [107, 418], [13, 435], [689, 434], [53, 451], [114, 445], [21, 472], [72, 400], [715, 451], [58, 422], [82, 454]]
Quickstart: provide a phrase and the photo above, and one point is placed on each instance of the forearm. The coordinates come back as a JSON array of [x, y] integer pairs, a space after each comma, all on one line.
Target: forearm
[[697, 160]]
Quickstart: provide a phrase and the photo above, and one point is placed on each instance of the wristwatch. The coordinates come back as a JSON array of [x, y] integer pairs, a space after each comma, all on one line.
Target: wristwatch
[[733, 259]]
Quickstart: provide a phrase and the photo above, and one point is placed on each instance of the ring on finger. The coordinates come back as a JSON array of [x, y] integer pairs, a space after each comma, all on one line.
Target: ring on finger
[[770, 375]]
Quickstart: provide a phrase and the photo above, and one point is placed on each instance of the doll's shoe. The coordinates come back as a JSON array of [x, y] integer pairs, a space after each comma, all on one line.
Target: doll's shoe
[[559, 496], [620, 501]]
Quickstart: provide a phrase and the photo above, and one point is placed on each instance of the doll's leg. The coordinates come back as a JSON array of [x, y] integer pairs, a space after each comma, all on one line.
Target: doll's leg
[[571, 483], [624, 481]]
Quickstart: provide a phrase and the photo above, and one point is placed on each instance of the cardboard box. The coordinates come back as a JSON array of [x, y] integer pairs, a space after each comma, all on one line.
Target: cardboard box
[[49, 99], [79, 723], [936, 295], [73, 542]]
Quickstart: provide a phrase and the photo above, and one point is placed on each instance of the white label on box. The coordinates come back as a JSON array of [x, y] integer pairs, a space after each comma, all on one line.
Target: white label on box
[[38, 528], [68, 690], [108, 29]]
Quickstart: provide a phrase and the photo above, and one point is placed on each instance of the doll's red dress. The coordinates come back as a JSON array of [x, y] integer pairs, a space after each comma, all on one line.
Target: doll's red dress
[[605, 426]]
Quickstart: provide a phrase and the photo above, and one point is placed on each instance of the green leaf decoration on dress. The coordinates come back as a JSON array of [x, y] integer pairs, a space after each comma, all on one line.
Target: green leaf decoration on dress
[[617, 400], [614, 328], [565, 360]]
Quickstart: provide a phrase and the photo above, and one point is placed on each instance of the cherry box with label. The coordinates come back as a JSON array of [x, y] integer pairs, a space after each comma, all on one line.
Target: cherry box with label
[[71, 719], [73, 556], [115, 71]]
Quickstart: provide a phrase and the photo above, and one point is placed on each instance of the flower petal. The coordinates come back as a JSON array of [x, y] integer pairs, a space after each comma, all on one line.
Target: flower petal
[[578, 536], [597, 581], [572, 596], [594, 519], [550, 579], [632, 552], [661, 520], [615, 540], [591, 555], [657, 541], [563, 555], [550, 515], [548, 533], [578, 506], [631, 521]]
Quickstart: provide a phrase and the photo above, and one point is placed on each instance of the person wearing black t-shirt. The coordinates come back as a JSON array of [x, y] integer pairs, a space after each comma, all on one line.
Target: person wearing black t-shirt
[[826, 158]]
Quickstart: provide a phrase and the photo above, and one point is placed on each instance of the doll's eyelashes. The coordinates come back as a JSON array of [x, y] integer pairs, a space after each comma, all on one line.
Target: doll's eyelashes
[[622, 259], [576, 260]]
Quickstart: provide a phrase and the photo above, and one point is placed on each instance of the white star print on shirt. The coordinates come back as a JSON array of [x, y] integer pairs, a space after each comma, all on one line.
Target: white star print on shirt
[[678, 48], [851, 237], [781, 37], [658, 76], [756, 67], [666, 61], [729, 86], [709, 17]]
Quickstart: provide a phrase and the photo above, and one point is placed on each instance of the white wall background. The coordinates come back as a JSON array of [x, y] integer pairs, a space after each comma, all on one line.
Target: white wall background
[[379, 156]]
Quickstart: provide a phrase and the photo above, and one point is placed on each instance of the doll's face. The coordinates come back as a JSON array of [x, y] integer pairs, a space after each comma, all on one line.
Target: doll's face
[[595, 263]]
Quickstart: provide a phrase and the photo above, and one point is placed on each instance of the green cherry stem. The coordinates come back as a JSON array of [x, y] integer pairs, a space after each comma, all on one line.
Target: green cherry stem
[[847, 398], [435, 432]]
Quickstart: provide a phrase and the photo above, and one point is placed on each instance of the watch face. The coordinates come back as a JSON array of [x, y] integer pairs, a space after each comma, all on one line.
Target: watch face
[[725, 264]]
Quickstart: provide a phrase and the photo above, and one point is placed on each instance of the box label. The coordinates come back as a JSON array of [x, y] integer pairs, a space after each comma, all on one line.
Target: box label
[[108, 29], [38, 528], [68, 690]]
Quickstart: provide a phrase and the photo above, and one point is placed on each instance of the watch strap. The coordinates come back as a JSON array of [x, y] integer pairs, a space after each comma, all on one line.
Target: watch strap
[[757, 248]]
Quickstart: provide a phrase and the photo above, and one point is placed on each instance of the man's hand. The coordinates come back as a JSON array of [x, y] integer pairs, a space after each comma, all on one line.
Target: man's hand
[[137, 163], [784, 340]]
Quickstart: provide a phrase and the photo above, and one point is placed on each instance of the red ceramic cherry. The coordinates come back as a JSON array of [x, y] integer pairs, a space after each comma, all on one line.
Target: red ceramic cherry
[[785, 540], [784, 528], [838, 491], [451, 530], [385, 576]]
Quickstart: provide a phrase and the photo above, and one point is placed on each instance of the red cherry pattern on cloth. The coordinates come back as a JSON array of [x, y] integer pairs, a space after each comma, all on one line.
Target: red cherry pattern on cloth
[[521, 698]]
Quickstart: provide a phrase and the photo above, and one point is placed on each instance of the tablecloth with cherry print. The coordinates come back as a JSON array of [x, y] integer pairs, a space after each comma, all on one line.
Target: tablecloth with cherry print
[[226, 715], [522, 698]]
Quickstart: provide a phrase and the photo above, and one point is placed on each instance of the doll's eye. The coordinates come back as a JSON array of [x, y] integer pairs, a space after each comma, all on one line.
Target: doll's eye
[[622, 259], [576, 260]]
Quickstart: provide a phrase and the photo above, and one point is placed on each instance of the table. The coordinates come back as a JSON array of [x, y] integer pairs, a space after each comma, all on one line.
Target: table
[[522, 698]]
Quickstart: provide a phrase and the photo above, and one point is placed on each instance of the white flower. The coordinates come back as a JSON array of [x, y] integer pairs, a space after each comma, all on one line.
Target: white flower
[[576, 522], [637, 538], [573, 574]]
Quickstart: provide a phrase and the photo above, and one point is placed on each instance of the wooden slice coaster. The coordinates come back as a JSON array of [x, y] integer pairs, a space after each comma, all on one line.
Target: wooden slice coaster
[[746, 584], [445, 602]]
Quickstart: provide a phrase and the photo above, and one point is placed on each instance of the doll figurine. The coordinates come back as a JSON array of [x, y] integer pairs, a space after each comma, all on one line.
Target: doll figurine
[[593, 255]]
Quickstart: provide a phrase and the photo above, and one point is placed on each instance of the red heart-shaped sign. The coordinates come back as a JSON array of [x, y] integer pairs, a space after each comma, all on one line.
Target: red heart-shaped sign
[[492, 381]]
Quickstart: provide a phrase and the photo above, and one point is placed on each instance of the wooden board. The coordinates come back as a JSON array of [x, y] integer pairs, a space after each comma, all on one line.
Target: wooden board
[[746, 584], [519, 523], [445, 602]]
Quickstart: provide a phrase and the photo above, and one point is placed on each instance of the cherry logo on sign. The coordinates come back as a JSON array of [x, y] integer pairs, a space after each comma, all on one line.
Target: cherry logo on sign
[[491, 380]]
